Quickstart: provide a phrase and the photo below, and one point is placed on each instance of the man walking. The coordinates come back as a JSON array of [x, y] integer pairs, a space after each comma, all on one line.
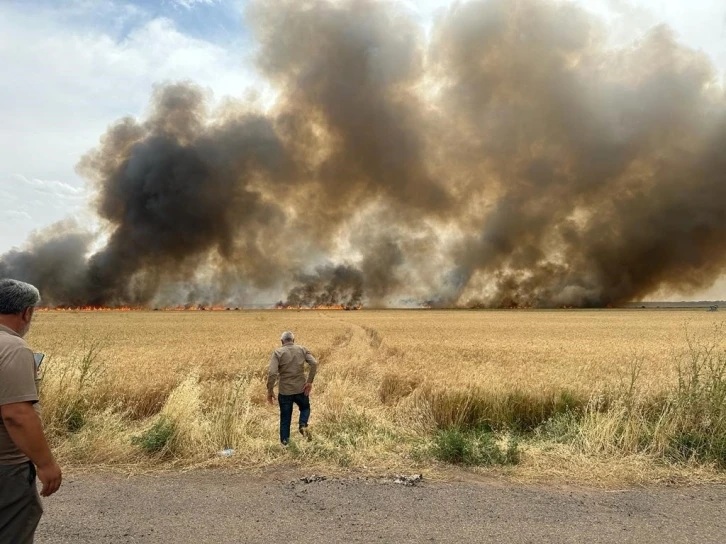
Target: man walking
[[22, 443], [287, 363]]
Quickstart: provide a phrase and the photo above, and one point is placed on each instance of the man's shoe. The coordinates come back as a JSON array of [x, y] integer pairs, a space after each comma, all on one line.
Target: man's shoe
[[305, 432], [284, 443]]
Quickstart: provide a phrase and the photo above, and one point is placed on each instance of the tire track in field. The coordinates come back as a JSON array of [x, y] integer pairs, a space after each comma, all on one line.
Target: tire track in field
[[363, 341]]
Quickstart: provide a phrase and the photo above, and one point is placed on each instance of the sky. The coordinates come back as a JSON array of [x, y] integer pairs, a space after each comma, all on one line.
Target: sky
[[69, 71]]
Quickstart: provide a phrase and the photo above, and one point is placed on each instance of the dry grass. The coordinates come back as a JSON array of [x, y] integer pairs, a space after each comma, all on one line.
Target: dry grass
[[592, 396]]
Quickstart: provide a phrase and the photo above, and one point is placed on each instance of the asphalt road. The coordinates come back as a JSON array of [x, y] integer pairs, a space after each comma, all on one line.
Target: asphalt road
[[224, 507]]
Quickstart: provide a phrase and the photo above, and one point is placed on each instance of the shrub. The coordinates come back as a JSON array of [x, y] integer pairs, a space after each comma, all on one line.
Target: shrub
[[561, 428], [698, 408], [474, 448], [157, 438]]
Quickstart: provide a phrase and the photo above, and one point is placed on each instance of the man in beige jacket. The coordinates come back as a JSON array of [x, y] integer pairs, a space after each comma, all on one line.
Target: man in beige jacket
[[23, 446], [287, 364]]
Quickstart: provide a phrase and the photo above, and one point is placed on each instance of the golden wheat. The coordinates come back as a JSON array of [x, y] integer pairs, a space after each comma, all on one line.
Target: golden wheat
[[387, 380]]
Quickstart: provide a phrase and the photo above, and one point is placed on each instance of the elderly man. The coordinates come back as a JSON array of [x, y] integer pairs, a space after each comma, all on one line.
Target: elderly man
[[287, 362], [22, 443]]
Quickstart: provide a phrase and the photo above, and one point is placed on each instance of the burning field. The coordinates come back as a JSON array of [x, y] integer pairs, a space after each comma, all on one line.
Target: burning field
[[513, 155]]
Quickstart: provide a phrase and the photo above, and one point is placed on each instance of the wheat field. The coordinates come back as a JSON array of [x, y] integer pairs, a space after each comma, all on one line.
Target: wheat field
[[601, 397]]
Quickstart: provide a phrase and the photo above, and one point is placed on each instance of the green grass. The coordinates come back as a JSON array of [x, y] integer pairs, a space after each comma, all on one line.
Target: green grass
[[158, 438], [473, 448]]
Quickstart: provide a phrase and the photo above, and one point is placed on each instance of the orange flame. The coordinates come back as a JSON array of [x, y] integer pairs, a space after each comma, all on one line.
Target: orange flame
[[322, 307], [187, 308], [89, 309], [195, 308]]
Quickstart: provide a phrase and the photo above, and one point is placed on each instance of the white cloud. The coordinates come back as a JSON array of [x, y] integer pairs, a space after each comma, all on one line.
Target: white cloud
[[64, 83], [57, 189], [15, 214], [67, 86], [190, 3]]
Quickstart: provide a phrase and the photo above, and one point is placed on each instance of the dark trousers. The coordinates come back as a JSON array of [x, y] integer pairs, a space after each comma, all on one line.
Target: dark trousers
[[286, 402], [20, 506]]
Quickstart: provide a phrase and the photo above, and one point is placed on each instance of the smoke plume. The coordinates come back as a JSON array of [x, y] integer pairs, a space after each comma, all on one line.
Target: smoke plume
[[338, 286], [510, 157]]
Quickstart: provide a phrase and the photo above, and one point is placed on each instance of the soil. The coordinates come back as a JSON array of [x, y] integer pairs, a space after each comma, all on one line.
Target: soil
[[216, 506]]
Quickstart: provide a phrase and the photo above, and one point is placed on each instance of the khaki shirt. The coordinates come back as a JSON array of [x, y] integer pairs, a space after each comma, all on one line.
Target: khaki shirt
[[17, 384], [287, 362]]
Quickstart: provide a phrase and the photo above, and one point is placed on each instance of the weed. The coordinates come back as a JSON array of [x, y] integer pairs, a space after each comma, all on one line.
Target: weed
[[158, 438], [475, 448], [561, 428], [69, 389]]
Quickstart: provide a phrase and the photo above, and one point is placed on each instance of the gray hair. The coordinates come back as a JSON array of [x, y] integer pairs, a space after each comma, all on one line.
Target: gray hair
[[16, 296], [286, 337]]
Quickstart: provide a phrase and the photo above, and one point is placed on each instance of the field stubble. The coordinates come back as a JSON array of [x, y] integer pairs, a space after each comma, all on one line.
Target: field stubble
[[598, 397]]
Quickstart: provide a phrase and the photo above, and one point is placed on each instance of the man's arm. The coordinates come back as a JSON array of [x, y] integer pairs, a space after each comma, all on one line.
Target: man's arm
[[17, 395], [313, 364], [272, 373], [26, 432]]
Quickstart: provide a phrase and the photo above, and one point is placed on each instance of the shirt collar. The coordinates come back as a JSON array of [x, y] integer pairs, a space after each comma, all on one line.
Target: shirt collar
[[11, 332]]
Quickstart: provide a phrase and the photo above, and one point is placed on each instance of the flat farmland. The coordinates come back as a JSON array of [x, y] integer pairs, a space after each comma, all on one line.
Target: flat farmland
[[598, 396]]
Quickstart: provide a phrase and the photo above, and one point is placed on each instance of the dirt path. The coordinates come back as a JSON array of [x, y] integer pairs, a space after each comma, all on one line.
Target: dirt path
[[223, 507]]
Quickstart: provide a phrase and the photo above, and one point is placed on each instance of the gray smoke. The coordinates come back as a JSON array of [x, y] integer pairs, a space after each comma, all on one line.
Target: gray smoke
[[328, 287], [511, 159]]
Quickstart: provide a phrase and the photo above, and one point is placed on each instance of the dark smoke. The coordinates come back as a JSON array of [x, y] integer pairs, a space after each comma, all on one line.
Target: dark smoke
[[56, 259], [511, 159], [330, 286]]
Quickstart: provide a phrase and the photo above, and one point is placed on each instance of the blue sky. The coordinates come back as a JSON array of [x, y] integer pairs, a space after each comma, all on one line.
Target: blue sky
[[217, 21], [70, 68]]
